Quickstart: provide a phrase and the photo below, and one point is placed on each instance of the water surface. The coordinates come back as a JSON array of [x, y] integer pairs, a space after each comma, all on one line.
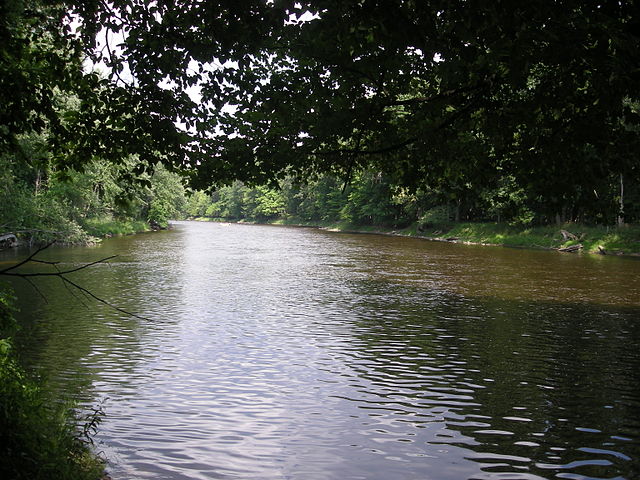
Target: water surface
[[284, 353]]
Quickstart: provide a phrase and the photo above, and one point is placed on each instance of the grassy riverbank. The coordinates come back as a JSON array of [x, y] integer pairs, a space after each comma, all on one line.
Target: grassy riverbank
[[594, 239], [109, 227], [612, 240], [87, 232]]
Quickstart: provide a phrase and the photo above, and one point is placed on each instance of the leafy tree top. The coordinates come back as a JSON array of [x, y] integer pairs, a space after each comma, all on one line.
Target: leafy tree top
[[436, 91]]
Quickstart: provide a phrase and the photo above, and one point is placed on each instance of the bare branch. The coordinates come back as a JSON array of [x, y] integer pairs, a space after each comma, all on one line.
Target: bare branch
[[35, 287], [44, 262], [50, 274], [10, 271], [71, 292], [95, 297], [26, 260]]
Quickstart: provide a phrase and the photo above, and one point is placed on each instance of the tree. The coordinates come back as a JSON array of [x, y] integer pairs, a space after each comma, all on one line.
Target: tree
[[321, 199], [369, 201], [166, 197], [263, 203], [531, 90], [228, 202], [197, 204]]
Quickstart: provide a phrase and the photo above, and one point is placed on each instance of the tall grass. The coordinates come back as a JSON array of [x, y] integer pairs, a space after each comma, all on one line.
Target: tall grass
[[108, 226]]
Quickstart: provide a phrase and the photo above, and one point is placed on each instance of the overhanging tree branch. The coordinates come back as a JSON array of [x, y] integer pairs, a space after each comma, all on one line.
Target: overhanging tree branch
[[439, 96], [354, 151], [13, 271], [446, 123]]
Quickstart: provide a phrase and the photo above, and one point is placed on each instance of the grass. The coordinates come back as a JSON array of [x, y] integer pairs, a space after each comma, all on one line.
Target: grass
[[107, 227], [623, 240], [614, 240]]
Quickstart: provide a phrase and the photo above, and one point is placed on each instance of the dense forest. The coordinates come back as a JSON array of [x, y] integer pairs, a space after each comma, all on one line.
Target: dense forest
[[106, 199], [363, 111], [371, 198], [75, 206]]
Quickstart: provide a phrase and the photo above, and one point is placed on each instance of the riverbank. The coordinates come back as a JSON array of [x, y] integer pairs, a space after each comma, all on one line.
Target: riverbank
[[89, 232], [109, 227], [570, 237], [41, 438]]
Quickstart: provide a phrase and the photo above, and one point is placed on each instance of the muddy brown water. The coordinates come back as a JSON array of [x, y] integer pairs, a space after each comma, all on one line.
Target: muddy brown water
[[288, 353]]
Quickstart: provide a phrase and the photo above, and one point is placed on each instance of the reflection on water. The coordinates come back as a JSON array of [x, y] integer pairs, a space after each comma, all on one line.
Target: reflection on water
[[278, 353]]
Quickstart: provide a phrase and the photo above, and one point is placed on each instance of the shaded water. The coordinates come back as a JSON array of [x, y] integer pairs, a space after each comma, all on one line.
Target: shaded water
[[281, 353]]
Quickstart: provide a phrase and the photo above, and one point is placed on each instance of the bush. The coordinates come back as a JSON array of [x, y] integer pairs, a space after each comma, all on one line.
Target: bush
[[108, 226], [436, 216]]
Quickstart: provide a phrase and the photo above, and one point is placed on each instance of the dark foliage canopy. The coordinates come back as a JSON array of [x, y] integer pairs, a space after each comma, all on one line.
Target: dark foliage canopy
[[445, 92]]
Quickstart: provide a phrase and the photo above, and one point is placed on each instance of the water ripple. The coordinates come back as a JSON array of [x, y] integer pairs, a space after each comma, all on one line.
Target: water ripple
[[295, 354]]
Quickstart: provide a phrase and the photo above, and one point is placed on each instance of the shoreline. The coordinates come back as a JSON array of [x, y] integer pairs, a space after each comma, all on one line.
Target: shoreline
[[92, 233], [460, 241], [567, 238]]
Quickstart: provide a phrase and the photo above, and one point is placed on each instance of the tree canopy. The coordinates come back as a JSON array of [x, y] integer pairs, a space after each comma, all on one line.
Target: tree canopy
[[428, 92]]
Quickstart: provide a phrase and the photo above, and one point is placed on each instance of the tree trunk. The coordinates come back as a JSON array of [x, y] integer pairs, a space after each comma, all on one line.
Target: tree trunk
[[621, 211], [38, 181], [559, 220]]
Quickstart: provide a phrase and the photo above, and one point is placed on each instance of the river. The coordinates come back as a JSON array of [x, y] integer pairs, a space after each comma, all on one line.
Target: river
[[292, 353]]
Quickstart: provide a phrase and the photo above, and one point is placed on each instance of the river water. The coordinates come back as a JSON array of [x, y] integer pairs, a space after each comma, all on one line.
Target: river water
[[291, 353]]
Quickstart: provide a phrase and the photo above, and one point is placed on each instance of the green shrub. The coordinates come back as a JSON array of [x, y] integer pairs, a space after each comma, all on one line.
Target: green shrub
[[107, 226], [436, 216]]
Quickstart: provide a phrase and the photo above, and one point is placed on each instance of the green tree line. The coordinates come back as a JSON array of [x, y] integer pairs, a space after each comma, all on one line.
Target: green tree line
[[42, 203], [372, 198]]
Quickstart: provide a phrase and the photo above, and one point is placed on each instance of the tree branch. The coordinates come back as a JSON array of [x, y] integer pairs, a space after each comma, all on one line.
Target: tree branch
[[446, 123], [92, 295], [438, 96], [354, 151], [53, 274], [11, 272], [35, 287], [26, 260]]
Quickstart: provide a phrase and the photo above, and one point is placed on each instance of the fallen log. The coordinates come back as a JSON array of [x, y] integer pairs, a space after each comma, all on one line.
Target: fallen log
[[571, 248]]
